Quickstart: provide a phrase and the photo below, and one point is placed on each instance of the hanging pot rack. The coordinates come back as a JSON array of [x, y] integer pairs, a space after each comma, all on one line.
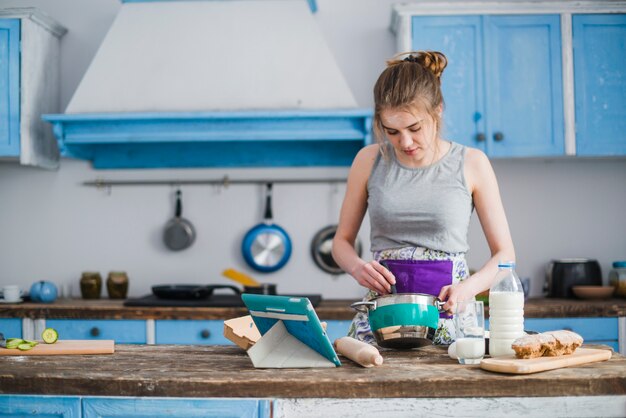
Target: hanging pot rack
[[224, 182]]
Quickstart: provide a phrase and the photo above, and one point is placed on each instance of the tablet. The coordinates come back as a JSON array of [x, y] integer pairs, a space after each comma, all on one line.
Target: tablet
[[298, 316]]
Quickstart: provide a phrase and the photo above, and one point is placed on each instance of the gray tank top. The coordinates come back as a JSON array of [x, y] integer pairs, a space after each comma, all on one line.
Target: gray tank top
[[419, 207]]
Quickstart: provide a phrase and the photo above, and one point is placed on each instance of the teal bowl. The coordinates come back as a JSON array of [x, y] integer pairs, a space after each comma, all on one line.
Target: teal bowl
[[402, 320]]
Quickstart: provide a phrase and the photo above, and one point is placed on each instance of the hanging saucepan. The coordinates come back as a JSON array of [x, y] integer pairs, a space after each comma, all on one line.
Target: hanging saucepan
[[179, 233], [266, 247], [321, 250]]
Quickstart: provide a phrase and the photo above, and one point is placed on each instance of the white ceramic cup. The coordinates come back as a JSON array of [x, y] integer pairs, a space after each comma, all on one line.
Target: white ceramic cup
[[11, 293]]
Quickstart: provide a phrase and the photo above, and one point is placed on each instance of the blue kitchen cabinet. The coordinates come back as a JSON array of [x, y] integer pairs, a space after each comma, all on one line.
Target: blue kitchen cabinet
[[503, 85], [11, 327], [176, 331], [9, 87], [18, 406], [593, 330], [337, 329], [122, 331], [175, 407], [29, 86], [600, 83]]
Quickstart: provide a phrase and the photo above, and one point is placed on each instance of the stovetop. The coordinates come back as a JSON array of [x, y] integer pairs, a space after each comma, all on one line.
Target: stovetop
[[214, 301]]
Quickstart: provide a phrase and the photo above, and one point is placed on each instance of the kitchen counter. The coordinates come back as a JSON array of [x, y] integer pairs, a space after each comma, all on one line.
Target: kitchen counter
[[219, 371], [329, 309]]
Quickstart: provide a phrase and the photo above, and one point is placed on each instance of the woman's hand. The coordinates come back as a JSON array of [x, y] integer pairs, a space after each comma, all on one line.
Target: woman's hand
[[374, 276], [455, 293]]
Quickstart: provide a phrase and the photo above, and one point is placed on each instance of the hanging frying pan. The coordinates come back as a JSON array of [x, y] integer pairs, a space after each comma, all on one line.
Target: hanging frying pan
[[322, 246], [179, 233], [266, 247]]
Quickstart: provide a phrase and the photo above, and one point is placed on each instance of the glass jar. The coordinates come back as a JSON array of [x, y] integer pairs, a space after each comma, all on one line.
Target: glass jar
[[617, 278], [117, 284], [90, 285]]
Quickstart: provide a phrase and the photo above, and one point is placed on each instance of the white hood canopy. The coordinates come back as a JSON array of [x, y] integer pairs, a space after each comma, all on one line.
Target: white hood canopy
[[189, 83]]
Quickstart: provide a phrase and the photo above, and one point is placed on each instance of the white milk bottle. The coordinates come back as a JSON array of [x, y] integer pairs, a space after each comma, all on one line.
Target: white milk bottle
[[506, 310]]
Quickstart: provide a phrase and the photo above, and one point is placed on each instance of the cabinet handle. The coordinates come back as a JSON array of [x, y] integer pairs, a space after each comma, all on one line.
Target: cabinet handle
[[480, 137], [498, 136], [205, 333], [94, 332]]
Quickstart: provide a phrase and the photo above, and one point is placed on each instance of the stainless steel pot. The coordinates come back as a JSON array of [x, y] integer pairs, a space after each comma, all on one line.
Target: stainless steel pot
[[404, 320]]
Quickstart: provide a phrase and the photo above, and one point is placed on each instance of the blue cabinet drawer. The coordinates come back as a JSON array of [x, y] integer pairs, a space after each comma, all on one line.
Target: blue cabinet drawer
[[11, 327], [190, 332], [122, 331], [42, 406], [591, 329], [337, 329], [175, 407]]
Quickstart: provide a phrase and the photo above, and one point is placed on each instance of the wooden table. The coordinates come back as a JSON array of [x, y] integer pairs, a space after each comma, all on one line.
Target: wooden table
[[419, 382], [328, 309], [226, 371]]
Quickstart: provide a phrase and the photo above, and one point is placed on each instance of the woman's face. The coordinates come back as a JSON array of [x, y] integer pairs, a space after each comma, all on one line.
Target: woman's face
[[413, 135]]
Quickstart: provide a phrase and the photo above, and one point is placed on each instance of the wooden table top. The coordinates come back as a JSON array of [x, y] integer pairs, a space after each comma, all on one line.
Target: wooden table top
[[328, 309], [226, 371]]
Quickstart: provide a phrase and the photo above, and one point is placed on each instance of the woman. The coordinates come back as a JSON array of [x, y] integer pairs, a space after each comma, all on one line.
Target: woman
[[420, 190]]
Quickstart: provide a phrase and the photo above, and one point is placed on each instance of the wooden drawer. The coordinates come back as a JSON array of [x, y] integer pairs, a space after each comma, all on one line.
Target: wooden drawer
[[42, 406], [122, 331], [175, 407], [11, 327], [190, 332]]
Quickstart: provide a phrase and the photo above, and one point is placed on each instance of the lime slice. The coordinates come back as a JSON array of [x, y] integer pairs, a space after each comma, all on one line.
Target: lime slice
[[14, 342], [50, 335], [24, 347]]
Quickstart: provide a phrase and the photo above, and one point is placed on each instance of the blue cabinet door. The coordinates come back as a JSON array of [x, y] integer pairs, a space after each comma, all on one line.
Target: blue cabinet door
[[503, 84], [18, 406], [175, 407], [459, 38], [9, 87], [209, 332], [337, 329], [125, 331], [593, 330], [11, 327], [524, 93], [600, 83]]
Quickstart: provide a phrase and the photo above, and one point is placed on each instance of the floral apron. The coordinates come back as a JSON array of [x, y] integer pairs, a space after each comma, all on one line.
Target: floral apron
[[435, 269]]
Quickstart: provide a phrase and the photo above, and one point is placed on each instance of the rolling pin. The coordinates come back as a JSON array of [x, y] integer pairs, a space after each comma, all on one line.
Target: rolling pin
[[358, 351]]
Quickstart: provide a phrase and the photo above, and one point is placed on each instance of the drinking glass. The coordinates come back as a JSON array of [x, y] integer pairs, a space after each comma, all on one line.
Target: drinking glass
[[469, 321]]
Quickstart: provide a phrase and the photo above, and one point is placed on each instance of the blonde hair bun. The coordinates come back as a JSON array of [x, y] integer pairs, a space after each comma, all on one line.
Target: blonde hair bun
[[433, 61]]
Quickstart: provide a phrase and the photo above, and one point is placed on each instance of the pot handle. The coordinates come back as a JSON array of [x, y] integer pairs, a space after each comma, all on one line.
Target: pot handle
[[359, 306], [439, 305]]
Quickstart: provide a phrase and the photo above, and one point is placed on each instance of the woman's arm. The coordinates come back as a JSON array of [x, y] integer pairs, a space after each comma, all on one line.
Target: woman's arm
[[370, 274], [482, 183]]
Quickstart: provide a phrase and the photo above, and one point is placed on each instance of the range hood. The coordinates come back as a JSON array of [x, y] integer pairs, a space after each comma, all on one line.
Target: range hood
[[235, 83]]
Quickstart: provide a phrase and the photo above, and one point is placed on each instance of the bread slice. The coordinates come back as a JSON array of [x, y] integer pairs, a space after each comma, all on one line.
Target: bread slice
[[566, 342], [551, 343]]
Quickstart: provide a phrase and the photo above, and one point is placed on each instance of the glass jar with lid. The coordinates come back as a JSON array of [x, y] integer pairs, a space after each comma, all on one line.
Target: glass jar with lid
[[617, 278]]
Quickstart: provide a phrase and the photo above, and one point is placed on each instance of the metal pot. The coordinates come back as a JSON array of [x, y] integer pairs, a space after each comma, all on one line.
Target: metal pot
[[179, 233], [261, 289], [404, 320], [189, 291], [321, 250], [267, 246]]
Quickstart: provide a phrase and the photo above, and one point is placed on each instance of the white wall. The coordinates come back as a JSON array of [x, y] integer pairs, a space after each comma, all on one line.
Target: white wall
[[52, 227]]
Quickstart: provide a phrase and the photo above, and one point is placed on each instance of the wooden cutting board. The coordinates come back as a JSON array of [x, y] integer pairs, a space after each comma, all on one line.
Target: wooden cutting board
[[64, 347], [513, 365]]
